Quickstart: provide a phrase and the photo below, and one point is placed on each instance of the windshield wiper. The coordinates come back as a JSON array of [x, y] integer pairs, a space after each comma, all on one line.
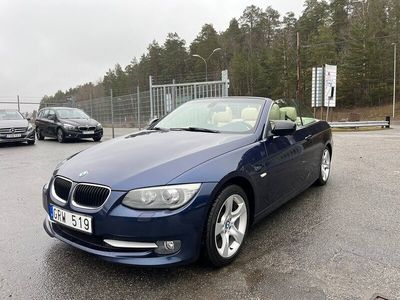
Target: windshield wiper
[[159, 129], [197, 129]]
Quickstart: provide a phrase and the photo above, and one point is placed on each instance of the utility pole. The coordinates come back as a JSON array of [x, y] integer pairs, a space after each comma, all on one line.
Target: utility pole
[[298, 89], [138, 104], [112, 112], [394, 77]]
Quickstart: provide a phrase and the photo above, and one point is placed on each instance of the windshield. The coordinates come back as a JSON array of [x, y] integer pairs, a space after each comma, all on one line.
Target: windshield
[[10, 115], [71, 114], [233, 115]]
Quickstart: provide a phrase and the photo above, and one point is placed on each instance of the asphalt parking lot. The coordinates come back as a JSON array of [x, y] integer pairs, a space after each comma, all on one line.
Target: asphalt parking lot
[[341, 241]]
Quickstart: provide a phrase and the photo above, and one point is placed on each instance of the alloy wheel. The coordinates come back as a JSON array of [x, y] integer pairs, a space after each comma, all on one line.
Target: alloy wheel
[[231, 226], [60, 135], [325, 165]]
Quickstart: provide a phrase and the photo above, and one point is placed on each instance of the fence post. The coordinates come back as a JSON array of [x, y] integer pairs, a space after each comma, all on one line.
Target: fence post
[[133, 106], [138, 105], [225, 79], [173, 95], [151, 96], [112, 112], [18, 102], [91, 104]]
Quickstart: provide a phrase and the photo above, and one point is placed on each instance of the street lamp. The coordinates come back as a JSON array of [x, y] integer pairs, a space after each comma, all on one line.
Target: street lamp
[[394, 76], [206, 59]]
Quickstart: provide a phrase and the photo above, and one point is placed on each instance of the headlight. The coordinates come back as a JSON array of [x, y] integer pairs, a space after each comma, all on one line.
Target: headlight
[[162, 197], [99, 125], [30, 127], [68, 126]]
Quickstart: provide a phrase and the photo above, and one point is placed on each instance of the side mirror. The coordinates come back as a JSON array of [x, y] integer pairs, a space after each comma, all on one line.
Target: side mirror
[[28, 119], [152, 122], [283, 128]]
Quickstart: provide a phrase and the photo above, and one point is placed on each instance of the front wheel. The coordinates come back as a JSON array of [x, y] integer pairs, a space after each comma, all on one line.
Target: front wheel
[[39, 135], [60, 135], [30, 142], [227, 226], [325, 168], [97, 138]]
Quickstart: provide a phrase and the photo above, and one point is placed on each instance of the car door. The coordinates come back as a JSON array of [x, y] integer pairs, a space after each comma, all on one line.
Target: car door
[[52, 123], [283, 163], [41, 121], [313, 145]]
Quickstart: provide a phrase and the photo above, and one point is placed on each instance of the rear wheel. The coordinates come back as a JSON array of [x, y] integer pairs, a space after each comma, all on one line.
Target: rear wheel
[[60, 135], [325, 168], [227, 226], [39, 134]]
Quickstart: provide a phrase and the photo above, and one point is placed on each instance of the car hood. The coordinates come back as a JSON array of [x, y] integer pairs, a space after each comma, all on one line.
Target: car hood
[[13, 123], [80, 122], [148, 158]]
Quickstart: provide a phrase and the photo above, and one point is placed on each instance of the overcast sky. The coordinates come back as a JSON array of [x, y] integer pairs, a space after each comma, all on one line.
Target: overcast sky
[[47, 45]]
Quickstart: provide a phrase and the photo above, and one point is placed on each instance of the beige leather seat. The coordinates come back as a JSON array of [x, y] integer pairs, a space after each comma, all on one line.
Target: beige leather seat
[[250, 115], [222, 118]]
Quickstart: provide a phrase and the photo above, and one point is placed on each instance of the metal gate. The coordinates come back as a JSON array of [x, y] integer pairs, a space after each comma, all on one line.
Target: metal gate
[[166, 97]]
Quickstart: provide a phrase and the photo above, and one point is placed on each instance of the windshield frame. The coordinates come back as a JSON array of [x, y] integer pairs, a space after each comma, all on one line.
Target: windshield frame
[[252, 100]]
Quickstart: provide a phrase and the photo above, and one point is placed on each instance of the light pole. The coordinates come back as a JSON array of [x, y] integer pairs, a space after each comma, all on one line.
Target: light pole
[[206, 59], [394, 76]]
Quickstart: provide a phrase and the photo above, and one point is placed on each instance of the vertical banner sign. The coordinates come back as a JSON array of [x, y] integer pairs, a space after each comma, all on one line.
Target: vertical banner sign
[[317, 87], [330, 74]]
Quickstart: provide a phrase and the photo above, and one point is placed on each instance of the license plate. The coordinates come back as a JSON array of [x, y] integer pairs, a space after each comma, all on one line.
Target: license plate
[[88, 132], [15, 135], [71, 219]]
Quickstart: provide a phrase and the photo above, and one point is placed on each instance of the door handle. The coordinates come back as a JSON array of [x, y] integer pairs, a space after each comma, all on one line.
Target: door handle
[[258, 168], [308, 137]]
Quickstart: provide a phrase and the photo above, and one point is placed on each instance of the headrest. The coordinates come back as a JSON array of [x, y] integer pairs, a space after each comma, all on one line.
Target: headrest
[[223, 116], [275, 113], [249, 114], [290, 112]]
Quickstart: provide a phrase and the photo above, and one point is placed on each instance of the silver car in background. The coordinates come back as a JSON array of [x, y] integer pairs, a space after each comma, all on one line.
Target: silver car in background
[[14, 128]]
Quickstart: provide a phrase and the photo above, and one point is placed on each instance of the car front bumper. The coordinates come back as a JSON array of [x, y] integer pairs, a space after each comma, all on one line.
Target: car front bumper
[[25, 137], [77, 134], [117, 222]]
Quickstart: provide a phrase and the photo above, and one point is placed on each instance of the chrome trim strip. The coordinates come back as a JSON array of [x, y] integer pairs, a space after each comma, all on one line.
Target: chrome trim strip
[[133, 245], [89, 207], [53, 191]]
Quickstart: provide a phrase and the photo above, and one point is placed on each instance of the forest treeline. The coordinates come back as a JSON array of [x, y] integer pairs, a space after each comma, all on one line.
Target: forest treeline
[[259, 52]]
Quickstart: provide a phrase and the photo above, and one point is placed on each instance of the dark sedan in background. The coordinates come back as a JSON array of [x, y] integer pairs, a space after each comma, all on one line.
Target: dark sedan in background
[[194, 181], [66, 123], [15, 128]]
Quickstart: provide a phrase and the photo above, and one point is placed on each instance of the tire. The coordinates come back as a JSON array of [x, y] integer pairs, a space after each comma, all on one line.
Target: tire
[[39, 135], [227, 226], [97, 138], [31, 142], [325, 167], [60, 135]]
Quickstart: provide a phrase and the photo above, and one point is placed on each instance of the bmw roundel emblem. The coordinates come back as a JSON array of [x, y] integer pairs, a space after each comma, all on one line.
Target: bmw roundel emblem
[[84, 173]]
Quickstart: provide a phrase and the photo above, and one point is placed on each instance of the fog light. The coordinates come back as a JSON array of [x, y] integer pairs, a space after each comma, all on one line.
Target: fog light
[[168, 247]]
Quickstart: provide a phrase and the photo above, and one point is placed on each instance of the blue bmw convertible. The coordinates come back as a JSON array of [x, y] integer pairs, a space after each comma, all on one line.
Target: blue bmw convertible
[[193, 182]]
